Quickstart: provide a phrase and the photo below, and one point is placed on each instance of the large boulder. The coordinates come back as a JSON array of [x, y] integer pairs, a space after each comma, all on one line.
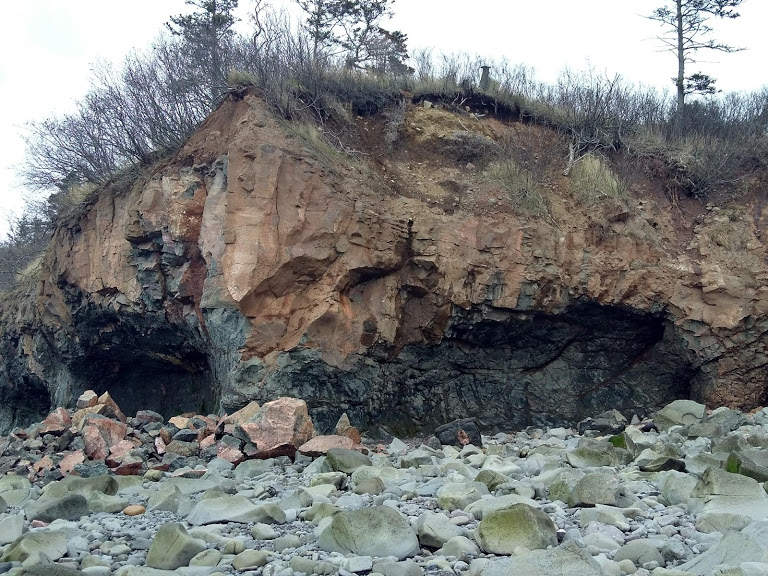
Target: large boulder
[[502, 531], [679, 413], [375, 531], [277, 428], [234, 509], [173, 548]]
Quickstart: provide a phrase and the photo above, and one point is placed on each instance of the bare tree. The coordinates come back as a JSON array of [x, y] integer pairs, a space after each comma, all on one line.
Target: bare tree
[[687, 32]]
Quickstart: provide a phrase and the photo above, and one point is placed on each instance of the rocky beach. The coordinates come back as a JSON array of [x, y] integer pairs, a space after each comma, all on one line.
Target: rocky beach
[[259, 492]]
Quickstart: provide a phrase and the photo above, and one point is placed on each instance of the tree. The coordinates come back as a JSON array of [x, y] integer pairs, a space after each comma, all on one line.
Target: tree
[[353, 28], [687, 32], [206, 34]]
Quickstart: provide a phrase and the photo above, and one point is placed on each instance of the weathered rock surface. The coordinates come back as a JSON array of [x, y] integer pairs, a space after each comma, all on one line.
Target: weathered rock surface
[[248, 269]]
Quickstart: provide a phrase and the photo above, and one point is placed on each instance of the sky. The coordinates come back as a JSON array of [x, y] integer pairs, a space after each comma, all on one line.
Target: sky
[[48, 46]]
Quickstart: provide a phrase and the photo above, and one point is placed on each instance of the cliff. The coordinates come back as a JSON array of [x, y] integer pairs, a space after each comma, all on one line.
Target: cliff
[[395, 283]]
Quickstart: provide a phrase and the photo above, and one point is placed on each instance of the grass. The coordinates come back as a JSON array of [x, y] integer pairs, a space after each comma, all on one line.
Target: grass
[[520, 185], [593, 182]]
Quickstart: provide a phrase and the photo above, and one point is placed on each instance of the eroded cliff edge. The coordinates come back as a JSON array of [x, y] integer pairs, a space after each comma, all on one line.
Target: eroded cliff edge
[[250, 267]]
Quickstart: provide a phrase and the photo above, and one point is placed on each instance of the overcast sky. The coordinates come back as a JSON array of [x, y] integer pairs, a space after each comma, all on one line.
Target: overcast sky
[[47, 47]]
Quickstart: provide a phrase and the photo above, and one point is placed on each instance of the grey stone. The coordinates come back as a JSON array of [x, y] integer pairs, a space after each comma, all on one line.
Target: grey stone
[[68, 507], [234, 509], [250, 559], [592, 453], [263, 532], [599, 487], [52, 543], [461, 547], [733, 549], [374, 531], [309, 566], [459, 495], [502, 531], [15, 490], [640, 552], [173, 548], [679, 412], [406, 568], [285, 542], [568, 559], [347, 461], [434, 530], [481, 508], [253, 468], [11, 527]]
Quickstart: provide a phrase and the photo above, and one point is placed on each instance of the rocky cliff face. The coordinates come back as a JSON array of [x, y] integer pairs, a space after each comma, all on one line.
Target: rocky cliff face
[[397, 289]]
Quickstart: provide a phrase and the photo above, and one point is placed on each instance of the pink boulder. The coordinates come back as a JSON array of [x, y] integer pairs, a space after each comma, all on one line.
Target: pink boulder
[[278, 428], [319, 445]]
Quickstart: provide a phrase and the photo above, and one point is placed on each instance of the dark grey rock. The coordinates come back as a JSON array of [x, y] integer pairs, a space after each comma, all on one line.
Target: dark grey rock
[[451, 434]]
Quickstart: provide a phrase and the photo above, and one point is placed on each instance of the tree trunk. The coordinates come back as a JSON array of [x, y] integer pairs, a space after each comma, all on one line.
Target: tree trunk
[[680, 82]]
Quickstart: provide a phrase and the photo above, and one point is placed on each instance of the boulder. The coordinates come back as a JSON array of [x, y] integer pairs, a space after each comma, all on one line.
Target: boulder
[[68, 507], [434, 530], [502, 531], [679, 413], [374, 531], [458, 495], [459, 433], [234, 509], [173, 548], [277, 428], [319, 445], [52, 543], [568, 559], [599, 487], [345, 460]]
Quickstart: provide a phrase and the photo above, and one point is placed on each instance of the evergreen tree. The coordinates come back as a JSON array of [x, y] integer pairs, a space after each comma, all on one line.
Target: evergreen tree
[[687, 32]]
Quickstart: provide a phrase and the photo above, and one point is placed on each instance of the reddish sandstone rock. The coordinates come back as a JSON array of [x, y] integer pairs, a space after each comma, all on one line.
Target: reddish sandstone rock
[[42, 466], [180, 422], [344, 428], [228, 449], [207, 442], [243, 415], [56, 422], [111, 407], [319, 445], [112, 430], [78, 418], [278, 428], [118, 451], [130, 464], [68, 462], [96, 447], [87, 399], [160, 446]]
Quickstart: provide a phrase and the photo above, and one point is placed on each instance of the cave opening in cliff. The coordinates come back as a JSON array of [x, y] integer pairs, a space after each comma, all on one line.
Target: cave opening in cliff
[[507, 369], [513, 368], [145, 365]]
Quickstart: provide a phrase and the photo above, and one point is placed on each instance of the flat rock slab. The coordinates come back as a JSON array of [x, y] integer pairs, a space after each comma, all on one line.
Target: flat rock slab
[[234, 509]]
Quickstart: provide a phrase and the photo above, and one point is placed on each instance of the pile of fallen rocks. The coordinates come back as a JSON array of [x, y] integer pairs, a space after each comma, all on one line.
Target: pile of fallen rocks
[[258, 492]]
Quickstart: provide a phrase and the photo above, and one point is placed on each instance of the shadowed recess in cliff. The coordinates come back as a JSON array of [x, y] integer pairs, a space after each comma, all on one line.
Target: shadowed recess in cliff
[[144, 362], [507, 369]]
